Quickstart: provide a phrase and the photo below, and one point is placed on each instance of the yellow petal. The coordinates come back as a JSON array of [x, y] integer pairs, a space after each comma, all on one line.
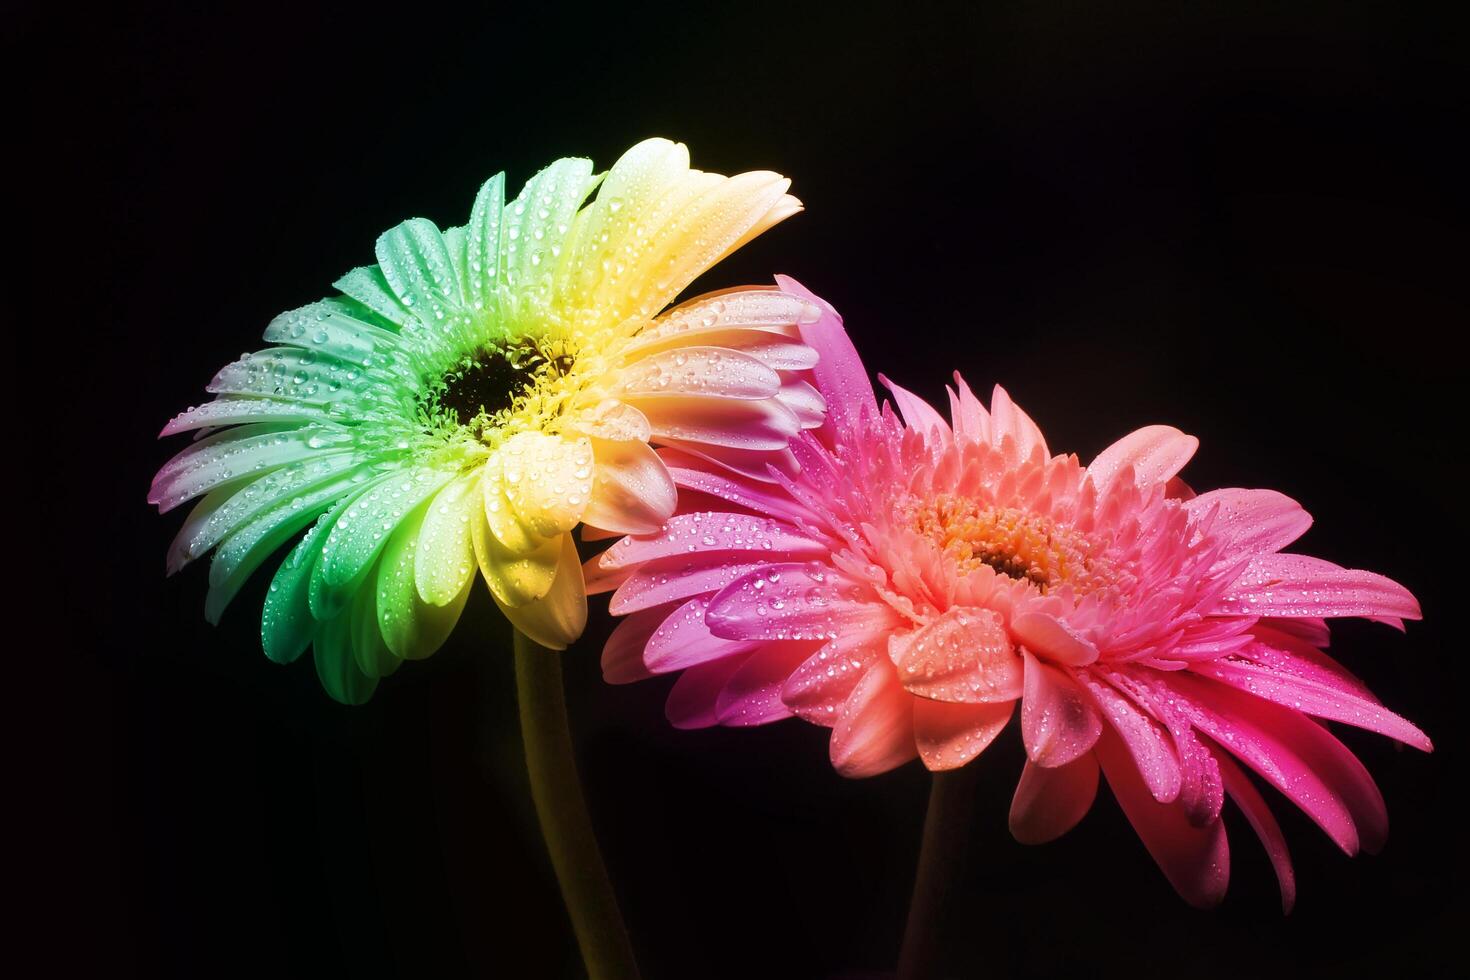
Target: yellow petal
[[547, 479], [500, 514], [557, 618], [513, 578]]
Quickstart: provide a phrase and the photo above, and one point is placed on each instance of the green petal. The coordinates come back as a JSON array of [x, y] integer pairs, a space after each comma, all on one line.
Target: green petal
[[482, 245], [360, 533], [225, 510], [335, 665], [410, 627], [537, 224], [337, 327], [369, 651], [286, 623], [444, 563], [247, 548], [296, 375], [368, 286], [416, 264]]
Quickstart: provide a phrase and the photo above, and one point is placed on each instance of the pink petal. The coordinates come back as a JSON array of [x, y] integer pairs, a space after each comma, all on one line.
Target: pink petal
[[1196, 860], [753, 464], [1058, 720], [1300, 585], [817, 688], [950, 735], [971, 420], [1007, 419], [723, 422], [1313, 698], [1053, 640], [597, 579], [692, 699], [1150, 745], [710, 532], [1156, 453], [791, 601], [1289, 750], [839, 374], [693, 473], [875, 728], [1254, 521], [622, 655], [752, 695], [670, 579], [698, 371], [964, 656], [683, 640], [1259, 815], [917, 414], [632, 492], [1050, 802]]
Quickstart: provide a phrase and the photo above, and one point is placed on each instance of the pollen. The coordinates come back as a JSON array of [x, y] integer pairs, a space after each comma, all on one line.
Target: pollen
[[1014, 542]]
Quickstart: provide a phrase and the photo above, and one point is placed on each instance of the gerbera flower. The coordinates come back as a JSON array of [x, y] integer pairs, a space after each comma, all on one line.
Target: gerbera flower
[[921, 578], [477, 393]]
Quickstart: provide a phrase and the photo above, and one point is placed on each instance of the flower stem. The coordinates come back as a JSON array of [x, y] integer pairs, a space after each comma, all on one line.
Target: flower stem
[[941, 857], [562, 810]]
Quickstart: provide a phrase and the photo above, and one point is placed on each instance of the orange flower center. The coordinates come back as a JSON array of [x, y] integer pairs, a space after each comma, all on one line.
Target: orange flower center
[[1014, 542]]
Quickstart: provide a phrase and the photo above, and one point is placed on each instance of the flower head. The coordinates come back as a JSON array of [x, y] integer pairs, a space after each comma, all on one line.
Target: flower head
[[475, 395], [921, 578]]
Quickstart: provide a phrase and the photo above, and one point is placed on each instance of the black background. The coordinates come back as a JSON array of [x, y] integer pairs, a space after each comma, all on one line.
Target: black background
[[1237, 220]]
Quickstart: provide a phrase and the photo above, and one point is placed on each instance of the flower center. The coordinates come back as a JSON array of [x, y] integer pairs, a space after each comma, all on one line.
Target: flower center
[[1014, 542], [488, 386]]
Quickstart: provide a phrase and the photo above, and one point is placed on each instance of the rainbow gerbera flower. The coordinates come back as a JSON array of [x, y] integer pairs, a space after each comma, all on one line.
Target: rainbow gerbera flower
[[475, 395]]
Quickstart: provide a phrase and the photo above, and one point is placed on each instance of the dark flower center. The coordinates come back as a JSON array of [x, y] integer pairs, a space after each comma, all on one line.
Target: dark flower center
[[489, 383]]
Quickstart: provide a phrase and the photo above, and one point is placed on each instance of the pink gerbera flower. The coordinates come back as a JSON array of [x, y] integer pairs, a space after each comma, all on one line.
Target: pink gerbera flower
[[920, 579]]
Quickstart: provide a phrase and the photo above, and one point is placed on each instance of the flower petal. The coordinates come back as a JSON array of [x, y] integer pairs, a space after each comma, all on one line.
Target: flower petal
[[1155, 453], [547, 479], [514, 578], [1254, 521], [684, 640], [875, 728], [622, 654], [336, 667], [752, 695], [792, 601], [710, 532], [1058, 720], [444, 558], [632, 491], [361, 532], [818, 687], [556, 618], [691, 702], [1050, 802], [950, 735], [722, 422], [963, 656], [1050, 638], [411, 627], [839, 374], [1299, 585], [286, 623], [1259, 815], [698, 371], [1196, 860]]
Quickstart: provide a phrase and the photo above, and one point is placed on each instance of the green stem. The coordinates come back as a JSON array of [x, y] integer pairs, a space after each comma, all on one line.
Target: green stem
[[941, 857], [562, 810]]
